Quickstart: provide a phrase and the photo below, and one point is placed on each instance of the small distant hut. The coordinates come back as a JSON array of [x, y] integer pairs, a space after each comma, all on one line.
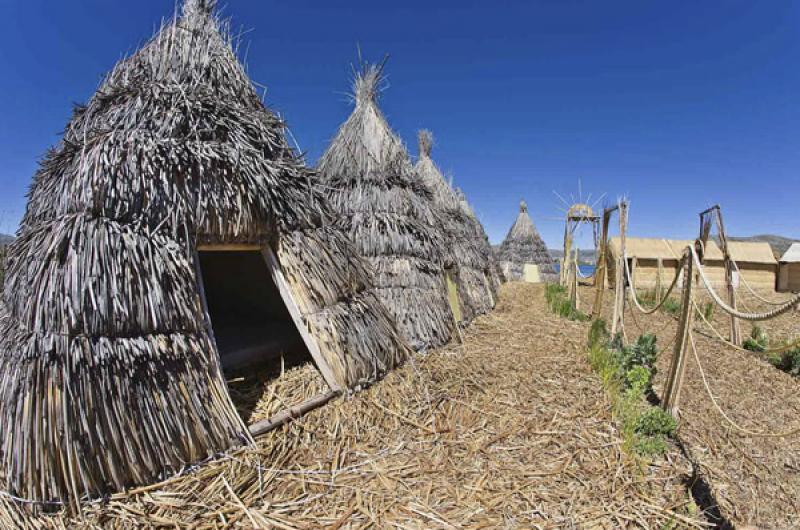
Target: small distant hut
[[390, 215], [523, 256], [465, 253], [656, 261], [789, 270], [172, 229]]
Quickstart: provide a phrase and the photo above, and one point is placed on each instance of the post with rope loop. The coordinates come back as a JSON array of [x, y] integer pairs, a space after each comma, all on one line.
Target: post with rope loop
[[707, 218], [677, 367], [618, 319], [601, 267]]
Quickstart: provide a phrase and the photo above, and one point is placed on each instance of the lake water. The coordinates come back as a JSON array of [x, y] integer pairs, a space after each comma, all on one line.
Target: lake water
[[586, 270]]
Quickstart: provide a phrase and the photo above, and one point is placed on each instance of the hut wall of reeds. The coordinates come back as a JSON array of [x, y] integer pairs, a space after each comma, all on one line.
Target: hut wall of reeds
[[465, 251], [523, 248], [109, 373], [390, 215]]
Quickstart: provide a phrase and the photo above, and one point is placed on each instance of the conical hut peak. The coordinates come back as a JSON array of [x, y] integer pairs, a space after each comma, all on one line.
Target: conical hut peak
[[425, 143], [366, 85], [195, 7], [523, 207]]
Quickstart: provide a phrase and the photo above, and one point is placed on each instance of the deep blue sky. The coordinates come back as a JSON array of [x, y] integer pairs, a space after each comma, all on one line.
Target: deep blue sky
[[675, 104]]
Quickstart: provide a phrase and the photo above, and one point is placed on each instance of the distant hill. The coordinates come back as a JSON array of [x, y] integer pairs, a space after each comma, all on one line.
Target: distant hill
[[779, 244], [5, 239]]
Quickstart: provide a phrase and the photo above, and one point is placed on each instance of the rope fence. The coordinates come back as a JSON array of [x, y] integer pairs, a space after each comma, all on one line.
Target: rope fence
[[691, 265]]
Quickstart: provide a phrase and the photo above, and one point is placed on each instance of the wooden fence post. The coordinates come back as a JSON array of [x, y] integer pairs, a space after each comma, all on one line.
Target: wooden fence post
[[677, 367], [618, 321]]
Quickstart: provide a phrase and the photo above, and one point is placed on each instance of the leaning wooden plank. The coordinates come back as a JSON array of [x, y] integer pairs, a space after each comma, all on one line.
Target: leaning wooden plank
[[286, 294]]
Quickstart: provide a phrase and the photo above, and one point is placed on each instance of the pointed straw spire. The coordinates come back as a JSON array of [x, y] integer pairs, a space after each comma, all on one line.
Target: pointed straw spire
[[425, 143], [523, 207], [366, 84], [192, 7]]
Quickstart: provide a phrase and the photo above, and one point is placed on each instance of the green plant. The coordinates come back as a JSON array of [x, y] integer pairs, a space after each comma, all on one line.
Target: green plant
[[655, 421], [757, 341], [638, 379], [598, 333], [708, 311], [672, 306], [788, 361], [557, 300]]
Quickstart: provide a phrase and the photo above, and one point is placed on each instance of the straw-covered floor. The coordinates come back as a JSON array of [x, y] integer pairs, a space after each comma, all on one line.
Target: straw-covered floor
[[511, 430], [754, 480]]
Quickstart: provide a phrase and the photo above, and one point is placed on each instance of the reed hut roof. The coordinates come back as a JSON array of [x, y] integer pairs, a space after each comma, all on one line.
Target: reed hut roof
[[390, 214], [523, 244], [468, 253], [110, 376], [670, 249], [792, 254]]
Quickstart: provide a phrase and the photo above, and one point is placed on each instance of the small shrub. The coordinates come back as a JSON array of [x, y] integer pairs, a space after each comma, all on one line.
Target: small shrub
[[672, 306], [598, 333], [638, 379], [708, 311], [559, 304], [757, 341], [788, 361], [655, 421], [651, 446]]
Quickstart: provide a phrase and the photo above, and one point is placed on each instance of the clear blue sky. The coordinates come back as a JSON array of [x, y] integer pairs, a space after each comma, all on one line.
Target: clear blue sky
[[675, 104]]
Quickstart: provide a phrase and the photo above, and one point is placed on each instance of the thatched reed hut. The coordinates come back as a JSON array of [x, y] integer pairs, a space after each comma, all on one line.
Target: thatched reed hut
[[390, 215], [522, 255], [789, 270], [468, 257], [478, 234], [657, 261], [171, 227]]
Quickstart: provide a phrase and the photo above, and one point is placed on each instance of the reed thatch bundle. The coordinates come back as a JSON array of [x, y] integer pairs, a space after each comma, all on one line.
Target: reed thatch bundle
[[523, 245], [478, 234], [466, 254], [109, 376], [3, 252], [390, 215]]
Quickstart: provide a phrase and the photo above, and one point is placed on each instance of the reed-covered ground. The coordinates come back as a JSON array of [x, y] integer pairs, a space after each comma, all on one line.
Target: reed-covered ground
[[510, 430], [754, 480]]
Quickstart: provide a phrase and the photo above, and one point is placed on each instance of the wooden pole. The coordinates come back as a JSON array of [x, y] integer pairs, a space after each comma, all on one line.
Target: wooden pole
[[659, 273], [291, 413], [601, 269], [736, 330], [677, 368], [618, 324]]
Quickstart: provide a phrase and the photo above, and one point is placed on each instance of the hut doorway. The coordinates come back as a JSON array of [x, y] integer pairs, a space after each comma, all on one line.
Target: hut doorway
[[248, 313]]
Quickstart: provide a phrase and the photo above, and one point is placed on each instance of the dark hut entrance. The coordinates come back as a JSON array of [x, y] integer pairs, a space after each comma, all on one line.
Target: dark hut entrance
[[251, 323]]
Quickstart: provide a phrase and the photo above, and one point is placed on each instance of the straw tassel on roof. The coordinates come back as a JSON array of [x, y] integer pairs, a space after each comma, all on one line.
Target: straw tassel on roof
[[522, 245], [467, 253], [389, 214], [108, 375]]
